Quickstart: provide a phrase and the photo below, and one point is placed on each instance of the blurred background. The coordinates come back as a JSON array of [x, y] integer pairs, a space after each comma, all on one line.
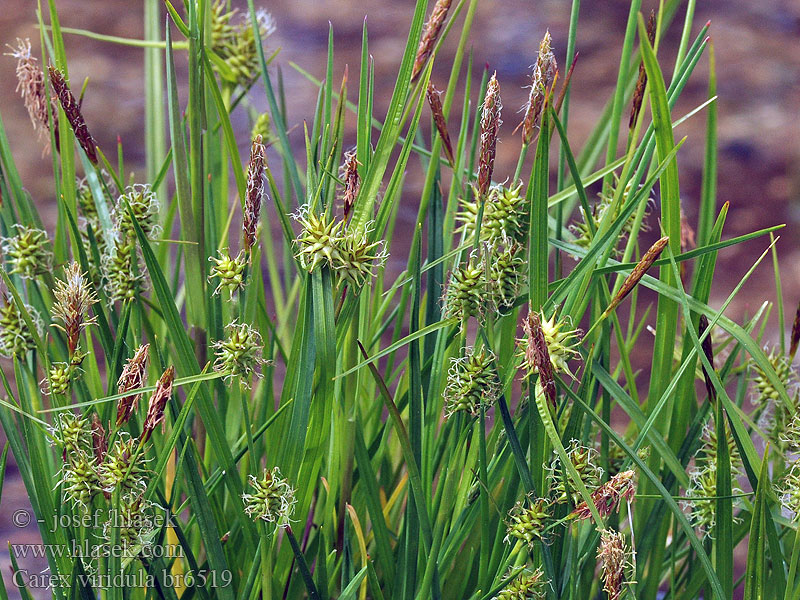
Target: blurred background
[[757, 44]]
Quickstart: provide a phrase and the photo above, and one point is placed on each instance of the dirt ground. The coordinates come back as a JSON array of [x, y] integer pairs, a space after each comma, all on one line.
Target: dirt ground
[[757, 49]]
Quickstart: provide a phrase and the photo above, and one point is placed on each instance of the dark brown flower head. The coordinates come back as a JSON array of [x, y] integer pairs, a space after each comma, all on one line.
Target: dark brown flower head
[[539, 355], [641, 82], [638, 272], [352, 182], [708, 350], [490, 124], [608, 496], [794, 340], [435, 102], [99, 441], [158, 401], [429, 36], [74, 298], [133, 376], [544, 73], [73, 112], [255, 192]]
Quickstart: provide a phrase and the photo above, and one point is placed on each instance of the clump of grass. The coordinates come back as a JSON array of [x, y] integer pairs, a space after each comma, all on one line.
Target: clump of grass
[[277, 414]]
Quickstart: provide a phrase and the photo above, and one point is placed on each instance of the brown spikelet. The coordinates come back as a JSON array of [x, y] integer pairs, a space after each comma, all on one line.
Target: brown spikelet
[[74, 298], [614, 553], [608, 496], [158, 401], [490, 124], [544, 73], [31, 86], [99, 442], [638, 272], [429, 36], [133, 376], [352, 182], [708, 350], [795, 337], [255, 192], [641, 82], [435, 102], [73, 112], [541, 355]]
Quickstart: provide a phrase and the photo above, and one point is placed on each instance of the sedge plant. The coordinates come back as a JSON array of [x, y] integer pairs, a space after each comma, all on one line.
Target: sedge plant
[[236, 375]]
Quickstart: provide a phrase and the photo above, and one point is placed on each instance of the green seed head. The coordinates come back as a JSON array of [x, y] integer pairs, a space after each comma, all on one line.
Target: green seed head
[[241, 353], [471, 382], [58, 379], [789, 492], [122, 283], [272, 499], [528, 585], [465, 293], [73, 434], [229, 271], [236, 44], [358, 256], [527, 520], [263, 127], [144, 205], [347, 252], [135, 520], [504, 215], [80, 480], [28, 252], [15, 336], [766, 392], [584, 459], [701, 493], [123, 469], [561, 340], [319, 241], [505, 276]]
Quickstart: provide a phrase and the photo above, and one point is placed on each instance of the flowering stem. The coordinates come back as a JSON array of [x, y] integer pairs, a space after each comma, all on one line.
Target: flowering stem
[[313, 594], [793, 567], [484, 499]]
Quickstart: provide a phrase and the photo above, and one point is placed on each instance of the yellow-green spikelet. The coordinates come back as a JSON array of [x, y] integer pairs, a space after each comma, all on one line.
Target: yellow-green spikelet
[[505, 275], [526, 586], [583, 458], [465, 292], [472, 381], [122, 468], [318, 243], [766, 392], [527, 520]]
